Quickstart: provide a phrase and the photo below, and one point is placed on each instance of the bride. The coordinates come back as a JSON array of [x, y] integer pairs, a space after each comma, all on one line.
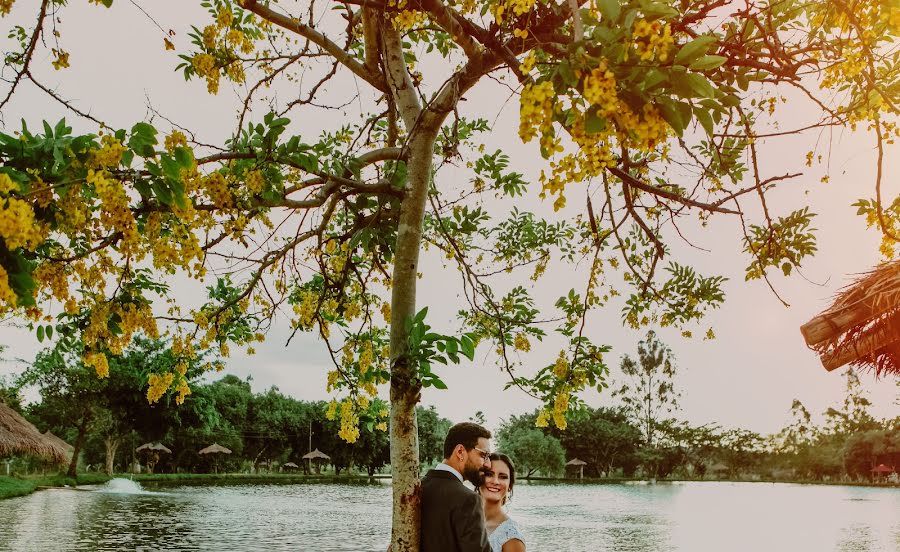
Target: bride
[[497, 489]]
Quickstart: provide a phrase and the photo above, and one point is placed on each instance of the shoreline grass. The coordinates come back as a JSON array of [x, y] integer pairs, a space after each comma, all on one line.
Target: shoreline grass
[[11, 487]]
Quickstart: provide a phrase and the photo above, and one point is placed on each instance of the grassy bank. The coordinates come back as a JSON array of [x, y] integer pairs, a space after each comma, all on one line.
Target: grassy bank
[[18, 486], [619, 480], [14, 486]]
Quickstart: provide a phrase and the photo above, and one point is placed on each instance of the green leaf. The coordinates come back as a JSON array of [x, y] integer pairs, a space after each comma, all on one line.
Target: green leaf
[[652, 79], [594, 123], [49, 331], [708, 62], [40, 334], [438, 383], [610, 10], [693, 85], [705, 119], [672, 116], [694, 49]]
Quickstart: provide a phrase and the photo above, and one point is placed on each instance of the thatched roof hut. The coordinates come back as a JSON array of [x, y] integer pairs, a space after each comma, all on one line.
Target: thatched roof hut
[[18, 436], [215, 448], [862, 327], [153, 447], [316, 455], [59, 442]]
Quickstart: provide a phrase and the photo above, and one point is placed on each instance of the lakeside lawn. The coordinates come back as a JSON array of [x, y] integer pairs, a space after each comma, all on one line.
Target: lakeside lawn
[[11, 487]]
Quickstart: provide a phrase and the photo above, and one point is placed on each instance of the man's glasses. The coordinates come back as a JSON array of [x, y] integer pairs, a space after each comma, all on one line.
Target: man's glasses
[[484, 454]]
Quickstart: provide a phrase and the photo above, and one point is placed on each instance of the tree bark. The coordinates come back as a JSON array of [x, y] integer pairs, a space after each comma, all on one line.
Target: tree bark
[[79, 442], [112, 445], [405, 386]]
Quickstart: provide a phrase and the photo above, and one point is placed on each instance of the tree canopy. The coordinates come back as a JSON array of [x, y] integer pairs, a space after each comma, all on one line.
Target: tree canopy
[[658, 111]]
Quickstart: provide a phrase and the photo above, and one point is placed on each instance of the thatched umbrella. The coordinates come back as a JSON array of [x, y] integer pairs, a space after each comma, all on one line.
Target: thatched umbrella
[[580, 464], [153, 450], [316, 455], [216, 449], [862, 327], [18, 436], [290, 465]]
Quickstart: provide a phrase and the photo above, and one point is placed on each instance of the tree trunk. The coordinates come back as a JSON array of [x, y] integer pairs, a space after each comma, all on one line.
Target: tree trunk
[[79, 442], [112, 445], [405, 386]]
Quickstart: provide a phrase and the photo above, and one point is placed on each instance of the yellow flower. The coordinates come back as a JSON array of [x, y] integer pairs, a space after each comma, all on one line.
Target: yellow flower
[[62, 59]]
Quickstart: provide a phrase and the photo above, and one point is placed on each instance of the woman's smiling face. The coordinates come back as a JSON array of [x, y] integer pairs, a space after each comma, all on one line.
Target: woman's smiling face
[[496, 482]]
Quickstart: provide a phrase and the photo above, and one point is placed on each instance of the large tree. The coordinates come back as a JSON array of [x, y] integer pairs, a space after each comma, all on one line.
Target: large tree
[[656, 111]]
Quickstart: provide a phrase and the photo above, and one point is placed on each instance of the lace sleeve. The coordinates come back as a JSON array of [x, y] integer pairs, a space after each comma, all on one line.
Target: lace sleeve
[[507, 531]]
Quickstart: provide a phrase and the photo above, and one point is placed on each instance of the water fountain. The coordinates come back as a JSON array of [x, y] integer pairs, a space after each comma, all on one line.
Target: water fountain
[[120, 485]]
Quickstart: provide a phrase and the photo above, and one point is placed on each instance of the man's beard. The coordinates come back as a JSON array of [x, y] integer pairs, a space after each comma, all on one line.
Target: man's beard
[[474, 475]]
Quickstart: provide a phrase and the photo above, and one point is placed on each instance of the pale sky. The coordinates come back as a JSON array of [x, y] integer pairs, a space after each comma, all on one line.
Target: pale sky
[[747, 377]]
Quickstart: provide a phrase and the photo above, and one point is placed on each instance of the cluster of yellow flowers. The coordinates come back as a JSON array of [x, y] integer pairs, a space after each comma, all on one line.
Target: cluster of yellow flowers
[[536, 108], [306, 310], [109, 154], [600, 89], [517, 8], [521, 342], [115, 214], [255, 182], [217, 190], [61, 60], [406, 19], [349, 422], [6, 6], [560, 406], [8, 298], [183, 390], [158, 385], [652, 39], [99, 362], [18, 227], [174, 140], [561, 366], [53, 275], [205, 66]]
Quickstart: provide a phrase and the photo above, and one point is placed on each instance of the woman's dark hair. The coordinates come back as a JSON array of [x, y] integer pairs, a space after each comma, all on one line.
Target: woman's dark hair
[[465, 434], [512, 470]]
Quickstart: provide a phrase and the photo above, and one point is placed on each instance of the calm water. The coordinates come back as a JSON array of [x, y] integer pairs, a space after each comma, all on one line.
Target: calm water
[[720, 517]]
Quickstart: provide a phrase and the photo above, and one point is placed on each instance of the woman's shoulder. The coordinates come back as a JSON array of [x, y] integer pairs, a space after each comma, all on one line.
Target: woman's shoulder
[[508, 530]]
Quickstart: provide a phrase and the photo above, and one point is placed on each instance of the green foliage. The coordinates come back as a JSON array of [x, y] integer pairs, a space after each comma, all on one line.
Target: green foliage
[[783, 245], [532, 451], [426, 348]]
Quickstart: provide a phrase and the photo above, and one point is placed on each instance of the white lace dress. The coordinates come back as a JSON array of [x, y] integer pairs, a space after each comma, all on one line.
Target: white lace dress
[[504, 532]]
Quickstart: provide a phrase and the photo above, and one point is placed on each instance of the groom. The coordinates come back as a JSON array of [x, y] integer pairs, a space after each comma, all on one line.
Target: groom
[[452, 515]]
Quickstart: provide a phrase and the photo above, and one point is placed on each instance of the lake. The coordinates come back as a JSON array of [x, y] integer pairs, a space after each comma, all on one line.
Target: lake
[[691, 516]]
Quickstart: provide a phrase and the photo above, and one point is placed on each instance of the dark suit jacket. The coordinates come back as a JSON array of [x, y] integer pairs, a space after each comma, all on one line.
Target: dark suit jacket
[[452, 516]]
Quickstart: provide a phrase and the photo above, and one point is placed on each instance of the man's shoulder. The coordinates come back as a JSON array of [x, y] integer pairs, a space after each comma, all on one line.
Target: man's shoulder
[[444, 482]]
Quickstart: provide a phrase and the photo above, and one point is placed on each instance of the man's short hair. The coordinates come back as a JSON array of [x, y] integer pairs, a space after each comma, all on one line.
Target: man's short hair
[[465, 434]]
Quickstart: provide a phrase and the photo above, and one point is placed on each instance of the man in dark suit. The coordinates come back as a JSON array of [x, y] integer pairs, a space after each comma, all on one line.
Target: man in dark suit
[[452, 515]]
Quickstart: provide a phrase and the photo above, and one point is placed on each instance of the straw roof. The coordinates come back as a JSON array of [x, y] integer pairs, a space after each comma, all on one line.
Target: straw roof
[[158, 447], [316, 455], [54, 439], [881, 468], [215, 448], [576, 462], [290, 465], [862, 326], [18, 436]]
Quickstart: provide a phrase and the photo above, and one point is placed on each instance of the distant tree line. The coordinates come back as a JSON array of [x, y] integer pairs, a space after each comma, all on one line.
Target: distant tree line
[[105, 418], [643, 437]]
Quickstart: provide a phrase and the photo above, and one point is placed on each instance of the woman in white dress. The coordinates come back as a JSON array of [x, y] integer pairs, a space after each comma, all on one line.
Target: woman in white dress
[[497, 489]]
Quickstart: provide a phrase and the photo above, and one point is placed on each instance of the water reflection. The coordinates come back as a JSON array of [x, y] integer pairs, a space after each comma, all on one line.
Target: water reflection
[[338, 517]]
